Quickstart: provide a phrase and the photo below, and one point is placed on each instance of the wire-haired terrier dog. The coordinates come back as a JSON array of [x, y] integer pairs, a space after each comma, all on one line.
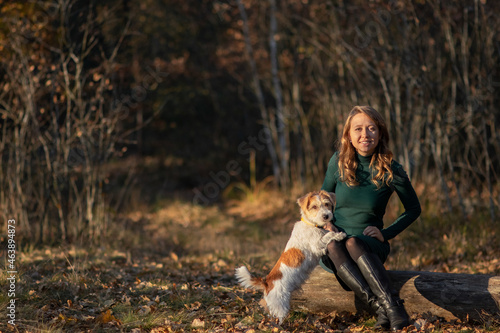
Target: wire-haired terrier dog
[[305, 247]]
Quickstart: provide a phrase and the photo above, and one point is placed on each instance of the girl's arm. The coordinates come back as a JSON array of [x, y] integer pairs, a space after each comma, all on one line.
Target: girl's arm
[[331, 175], [409, 199]]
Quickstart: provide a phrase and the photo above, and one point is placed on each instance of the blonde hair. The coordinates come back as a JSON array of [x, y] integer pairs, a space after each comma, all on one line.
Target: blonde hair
[[380, 163]]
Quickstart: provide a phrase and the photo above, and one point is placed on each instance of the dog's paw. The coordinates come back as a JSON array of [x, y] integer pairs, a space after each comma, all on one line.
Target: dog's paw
[[333, 236], [339, 236]]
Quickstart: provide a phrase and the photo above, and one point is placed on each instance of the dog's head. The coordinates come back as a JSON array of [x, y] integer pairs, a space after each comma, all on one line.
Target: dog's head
[[317, 207]]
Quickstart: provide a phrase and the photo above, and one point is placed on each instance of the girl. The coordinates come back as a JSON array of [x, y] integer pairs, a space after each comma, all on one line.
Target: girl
[[363, 176]]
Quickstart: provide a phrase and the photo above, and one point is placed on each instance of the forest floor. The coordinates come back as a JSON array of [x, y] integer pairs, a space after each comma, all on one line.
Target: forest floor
[[170, 268]]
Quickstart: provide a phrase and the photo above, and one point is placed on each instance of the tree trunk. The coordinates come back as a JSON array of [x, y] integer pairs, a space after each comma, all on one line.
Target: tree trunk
[[282, 132], [259, 94], [451, 296]]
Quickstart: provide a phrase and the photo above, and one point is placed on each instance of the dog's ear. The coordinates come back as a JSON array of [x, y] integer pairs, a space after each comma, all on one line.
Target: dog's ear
[[302, 201], [329, 195]]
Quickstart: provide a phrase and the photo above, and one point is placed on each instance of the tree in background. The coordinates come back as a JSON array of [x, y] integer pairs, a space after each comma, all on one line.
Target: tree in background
[[263, 84], [67, 113], [432, 68]]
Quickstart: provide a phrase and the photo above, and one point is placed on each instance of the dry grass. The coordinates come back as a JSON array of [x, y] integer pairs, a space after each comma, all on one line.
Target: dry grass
[[171, 267]]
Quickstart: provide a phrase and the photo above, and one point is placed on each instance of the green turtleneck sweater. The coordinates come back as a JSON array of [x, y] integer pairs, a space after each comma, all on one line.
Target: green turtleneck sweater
[[364, 205]]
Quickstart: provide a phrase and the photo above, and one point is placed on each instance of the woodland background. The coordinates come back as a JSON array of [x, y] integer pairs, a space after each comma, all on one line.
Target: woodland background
[[207, 93], [138, 126]]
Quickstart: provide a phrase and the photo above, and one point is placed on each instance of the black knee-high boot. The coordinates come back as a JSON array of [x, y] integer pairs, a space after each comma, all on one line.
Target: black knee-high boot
[[351, 275], [375, 274]]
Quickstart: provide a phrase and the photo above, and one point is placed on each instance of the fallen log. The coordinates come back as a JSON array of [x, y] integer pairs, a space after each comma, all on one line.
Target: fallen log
[[446, 295]]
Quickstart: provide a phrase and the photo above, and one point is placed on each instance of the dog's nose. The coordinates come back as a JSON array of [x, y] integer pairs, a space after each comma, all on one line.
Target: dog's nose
[[326, 217]]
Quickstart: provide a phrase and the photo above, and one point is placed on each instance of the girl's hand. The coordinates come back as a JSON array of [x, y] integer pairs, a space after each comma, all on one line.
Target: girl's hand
[[330, 227], [373, 232]]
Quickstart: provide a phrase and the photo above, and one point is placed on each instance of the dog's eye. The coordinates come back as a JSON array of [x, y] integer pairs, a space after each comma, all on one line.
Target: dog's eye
[[327, 204], [314, 207]]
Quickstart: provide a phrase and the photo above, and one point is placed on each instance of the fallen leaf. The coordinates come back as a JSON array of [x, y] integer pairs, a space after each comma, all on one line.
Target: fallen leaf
[[144, 310], [126, 300], [194, 306], [63, 319], [107, 317], [244, 323], [419, 323], [108, 303], [198, 323]]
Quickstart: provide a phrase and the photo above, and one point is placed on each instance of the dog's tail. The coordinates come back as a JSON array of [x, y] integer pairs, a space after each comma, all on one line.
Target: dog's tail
[[245, 279]]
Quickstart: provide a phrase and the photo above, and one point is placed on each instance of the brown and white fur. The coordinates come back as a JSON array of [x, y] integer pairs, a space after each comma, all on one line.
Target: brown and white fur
[[306, 245]]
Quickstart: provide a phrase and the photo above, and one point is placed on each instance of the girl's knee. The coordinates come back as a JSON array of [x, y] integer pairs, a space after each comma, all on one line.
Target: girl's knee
[[351, 243], [354, 243], [355, 247]]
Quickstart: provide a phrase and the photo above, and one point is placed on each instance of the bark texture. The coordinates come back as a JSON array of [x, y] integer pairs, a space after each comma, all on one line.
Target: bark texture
[[451, 296]]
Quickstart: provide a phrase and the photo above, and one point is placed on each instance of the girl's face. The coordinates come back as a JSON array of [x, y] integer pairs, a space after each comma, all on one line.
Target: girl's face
[[364, 134]]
